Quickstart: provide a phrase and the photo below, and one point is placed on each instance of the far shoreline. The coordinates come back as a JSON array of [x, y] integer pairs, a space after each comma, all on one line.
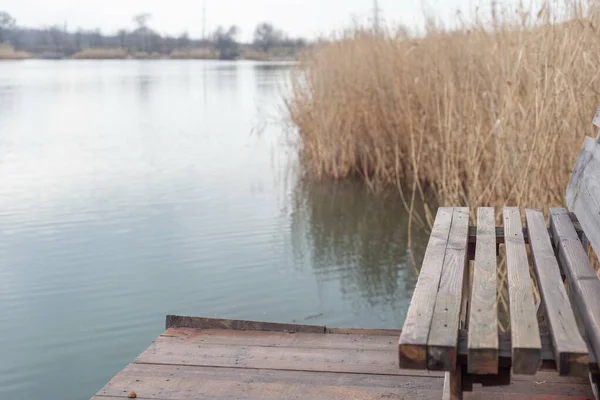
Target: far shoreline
[[8, 53], [273, 60]]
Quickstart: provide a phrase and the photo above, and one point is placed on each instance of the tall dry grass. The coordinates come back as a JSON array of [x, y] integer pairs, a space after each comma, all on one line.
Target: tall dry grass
[[101, 53], [7, 52], [195, 54], [487, 114]]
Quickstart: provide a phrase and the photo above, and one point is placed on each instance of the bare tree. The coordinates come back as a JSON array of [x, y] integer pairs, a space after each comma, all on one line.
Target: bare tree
[[183, 40], [267, 37], [142, 20], [122, 34], [56, 35], [77, 39], [225, 41], [142, 31], [7, 24], [96, 39]]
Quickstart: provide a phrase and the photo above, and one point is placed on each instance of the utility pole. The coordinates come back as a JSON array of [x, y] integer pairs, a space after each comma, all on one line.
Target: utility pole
[[376, 11], [204, 21]]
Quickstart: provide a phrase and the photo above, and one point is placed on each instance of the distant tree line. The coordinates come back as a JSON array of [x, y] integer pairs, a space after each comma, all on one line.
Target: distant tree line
[[58, 41]]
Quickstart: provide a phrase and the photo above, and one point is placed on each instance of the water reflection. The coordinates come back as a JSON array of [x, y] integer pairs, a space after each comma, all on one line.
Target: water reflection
[[136, 184], [269, 77], [227, 78], [7, 94], [358, 237]]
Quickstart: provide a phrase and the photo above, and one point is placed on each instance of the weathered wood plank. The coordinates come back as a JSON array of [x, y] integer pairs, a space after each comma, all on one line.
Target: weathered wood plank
[[505, 352], [271, 353], [483, 321], [351, 342], [571, 352], [185, 382], [542, 385], [595, 385], [587, 294], [443, 334], [453, 385], [583, 191], [361, 331], [571, 253], [513, 394], [178, 321], [284, 339], [525, 332], [583, 281], [168, 350], [500, 231], [412, 346], [167, 382]]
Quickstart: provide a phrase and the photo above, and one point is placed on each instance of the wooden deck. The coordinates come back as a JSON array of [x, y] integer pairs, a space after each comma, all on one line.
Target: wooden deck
[[198, 358]]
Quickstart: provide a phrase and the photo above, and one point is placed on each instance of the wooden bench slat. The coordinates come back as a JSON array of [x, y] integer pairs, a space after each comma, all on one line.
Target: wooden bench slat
[[571, 253], [571, 352], [587, 294], [483, 319], [505, 352], [525, 333], [583, 191], [583, 281], [412, 345], [443, 335], [500, 231]]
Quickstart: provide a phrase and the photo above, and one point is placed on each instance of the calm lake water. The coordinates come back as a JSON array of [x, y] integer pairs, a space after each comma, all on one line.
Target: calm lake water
[[134, 189]]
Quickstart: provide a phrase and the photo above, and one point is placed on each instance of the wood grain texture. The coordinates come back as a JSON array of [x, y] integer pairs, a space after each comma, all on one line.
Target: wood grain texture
[[595, 385], [166, 350], [283, 339], [412, 346], [571, 352], [453, 385], [228, 364], [184, 382], [538, 387], [177, 321], [525, 332], [483, 319], [360, 331], [583, 191], [587, 295], [174, 382], [514, 395], [500, 232], [583, 282], [505, 353], [443, 334], [192, 337], [571, 253]]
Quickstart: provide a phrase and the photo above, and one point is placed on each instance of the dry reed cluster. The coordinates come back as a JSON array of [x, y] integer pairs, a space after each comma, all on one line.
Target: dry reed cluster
[[7, 52], [101, 53], [195, 54], [492, 113]]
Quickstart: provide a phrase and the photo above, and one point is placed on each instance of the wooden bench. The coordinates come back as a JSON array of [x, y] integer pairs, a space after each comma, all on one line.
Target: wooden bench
[[452, 321]]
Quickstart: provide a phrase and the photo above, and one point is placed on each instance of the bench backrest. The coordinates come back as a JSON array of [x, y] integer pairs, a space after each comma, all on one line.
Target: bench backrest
[[583, 191], [583, 199]]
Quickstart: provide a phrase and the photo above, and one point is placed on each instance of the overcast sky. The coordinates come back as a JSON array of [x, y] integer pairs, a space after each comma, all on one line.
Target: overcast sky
[[306, 18]]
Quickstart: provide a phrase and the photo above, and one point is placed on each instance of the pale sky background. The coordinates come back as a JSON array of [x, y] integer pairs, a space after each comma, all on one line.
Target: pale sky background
[[305, 18]]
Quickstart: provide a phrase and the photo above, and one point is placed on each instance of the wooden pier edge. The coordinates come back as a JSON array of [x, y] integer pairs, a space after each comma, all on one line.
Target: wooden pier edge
[[178, 321], [504, 350], [199, 357]]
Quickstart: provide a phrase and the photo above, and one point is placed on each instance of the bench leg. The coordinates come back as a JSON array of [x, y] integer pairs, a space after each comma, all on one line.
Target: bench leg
[[594, 381], [453, 385]]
